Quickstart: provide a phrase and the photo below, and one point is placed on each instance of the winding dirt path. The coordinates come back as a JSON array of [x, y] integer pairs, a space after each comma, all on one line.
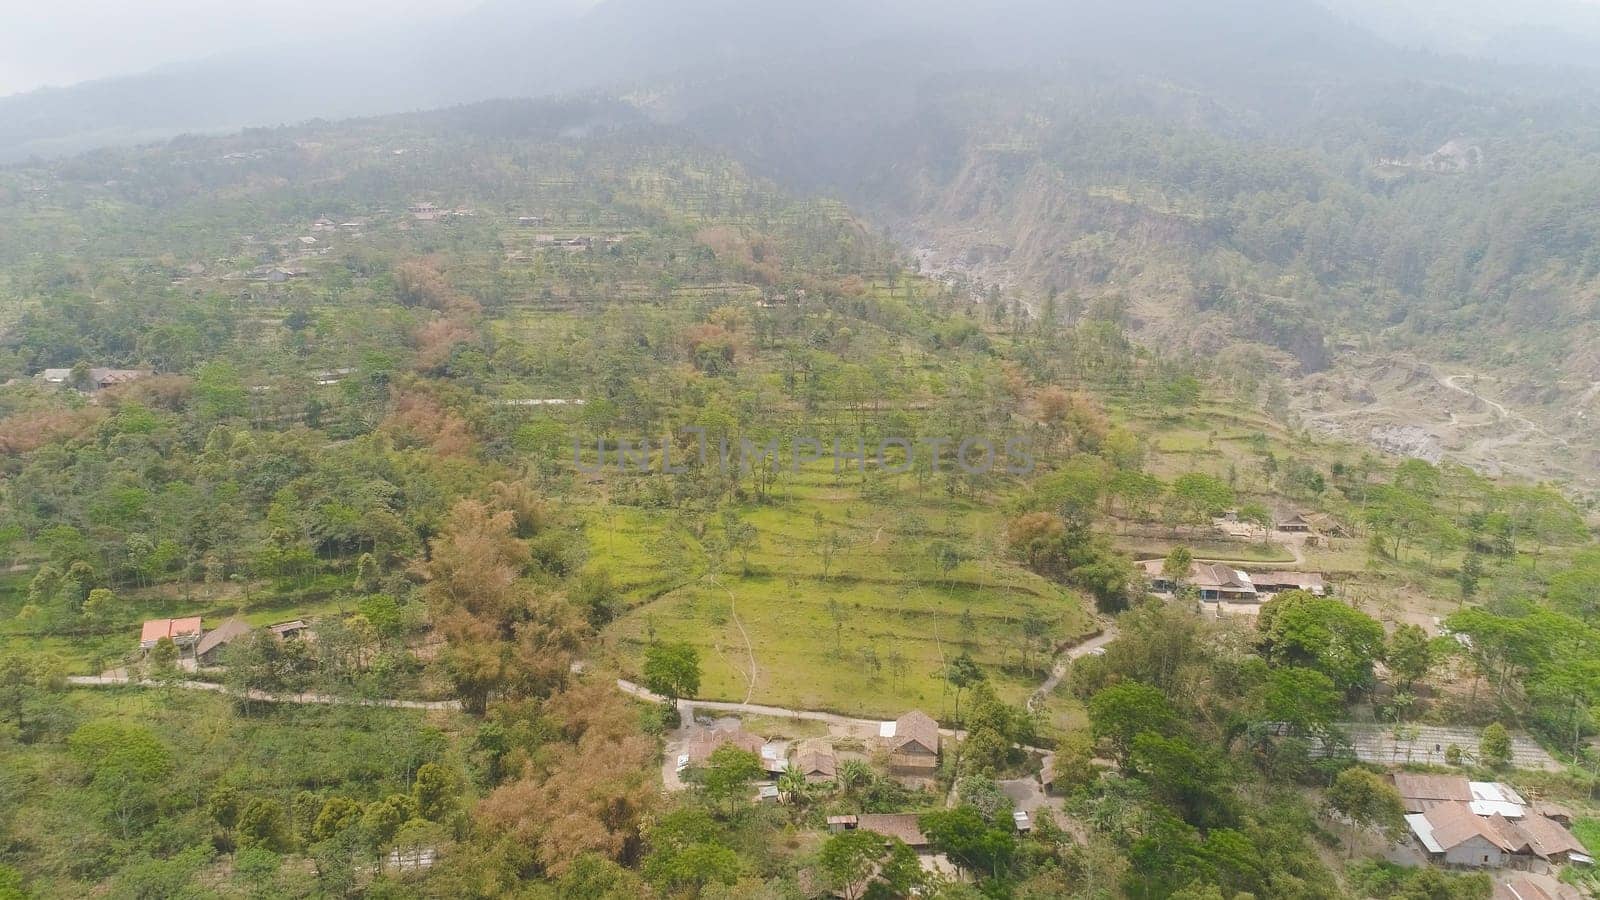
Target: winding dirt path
[[1078, 651], [749, 649], [759, 709], [1057, 672], [306, 699]]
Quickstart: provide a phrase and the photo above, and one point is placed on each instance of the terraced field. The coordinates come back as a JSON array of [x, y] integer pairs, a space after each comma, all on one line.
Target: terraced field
[[864, 630]]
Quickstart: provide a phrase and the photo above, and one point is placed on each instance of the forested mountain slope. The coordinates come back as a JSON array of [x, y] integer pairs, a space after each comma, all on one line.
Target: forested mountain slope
[[1262, 180], [1361, 225], [375, 380]]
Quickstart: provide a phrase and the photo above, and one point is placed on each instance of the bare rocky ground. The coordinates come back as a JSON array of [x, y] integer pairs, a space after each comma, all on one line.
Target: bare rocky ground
[[1501, 423], [1498, 424]]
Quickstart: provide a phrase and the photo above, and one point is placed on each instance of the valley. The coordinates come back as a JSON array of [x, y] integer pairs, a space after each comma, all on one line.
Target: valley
[[804, 451]]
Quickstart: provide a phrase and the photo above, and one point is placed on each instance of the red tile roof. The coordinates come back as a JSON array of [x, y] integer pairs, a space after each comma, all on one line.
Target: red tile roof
[[156, 629]]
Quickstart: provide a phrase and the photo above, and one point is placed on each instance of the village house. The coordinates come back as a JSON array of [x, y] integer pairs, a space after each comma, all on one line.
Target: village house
[[273, 274], [1296, 524], [331, 377], [1533, 886], [1452, 834], [816, 762], [774, 761], [1214, 582], [707, 741], [581, 242], [1278, 582], [293, 629], [913, 741], [209, 649], [1223, 583], [902, 826], [1492, 798], [1555, 812], [1324, 524], [1550, 840], [1482, 823], [1218, 583], [1420, 793], [185, 633], [895, 825], [92, 380]]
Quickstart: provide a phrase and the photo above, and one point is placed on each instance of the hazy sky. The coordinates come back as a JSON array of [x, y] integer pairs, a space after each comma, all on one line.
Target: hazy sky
[[57, 42], [60, 42]]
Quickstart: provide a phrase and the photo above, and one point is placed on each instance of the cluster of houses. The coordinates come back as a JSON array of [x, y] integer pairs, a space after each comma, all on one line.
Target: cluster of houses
[[1220, 583], [274, 274], [203, 647], [1486, 824], [428, 212], [911, 741], [93, 380], [579, 242], [325, 224]]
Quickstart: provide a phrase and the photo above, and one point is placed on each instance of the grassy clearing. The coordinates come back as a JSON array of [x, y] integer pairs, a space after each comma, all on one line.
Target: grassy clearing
[[863, 630]]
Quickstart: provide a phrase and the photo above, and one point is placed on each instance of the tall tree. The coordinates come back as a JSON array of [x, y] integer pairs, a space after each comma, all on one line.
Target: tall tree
[[1367, 801], [672, 670]]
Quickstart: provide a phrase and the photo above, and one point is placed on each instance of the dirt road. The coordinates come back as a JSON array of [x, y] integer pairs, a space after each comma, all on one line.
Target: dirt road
[[1059, 670], [308, 699]]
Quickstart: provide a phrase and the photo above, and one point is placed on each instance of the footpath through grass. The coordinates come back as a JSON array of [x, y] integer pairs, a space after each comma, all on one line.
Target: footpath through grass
[[840, 600]]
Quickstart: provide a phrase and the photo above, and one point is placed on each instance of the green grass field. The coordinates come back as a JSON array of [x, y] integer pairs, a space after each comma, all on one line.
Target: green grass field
[[865, 632]]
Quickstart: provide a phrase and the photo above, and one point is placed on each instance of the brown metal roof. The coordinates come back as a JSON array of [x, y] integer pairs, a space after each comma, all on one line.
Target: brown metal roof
[[1455, 823], [1311, 580], [1220, 577], [283, 628], [1433, 787], [222, 634], [704, 743], [900, 825], [816, 759], [1547, 838], [916, 728]]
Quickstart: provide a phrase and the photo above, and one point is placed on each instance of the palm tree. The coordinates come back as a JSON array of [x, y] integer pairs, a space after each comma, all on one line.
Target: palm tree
[[854, 774], [794, 785]]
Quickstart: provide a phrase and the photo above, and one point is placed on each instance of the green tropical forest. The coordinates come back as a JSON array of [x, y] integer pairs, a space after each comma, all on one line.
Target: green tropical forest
[[1126, 455]]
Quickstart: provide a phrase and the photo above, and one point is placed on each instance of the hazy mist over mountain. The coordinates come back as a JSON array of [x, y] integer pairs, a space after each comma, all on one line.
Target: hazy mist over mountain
[[395, 62], [1543, 32], [1347, 166]]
